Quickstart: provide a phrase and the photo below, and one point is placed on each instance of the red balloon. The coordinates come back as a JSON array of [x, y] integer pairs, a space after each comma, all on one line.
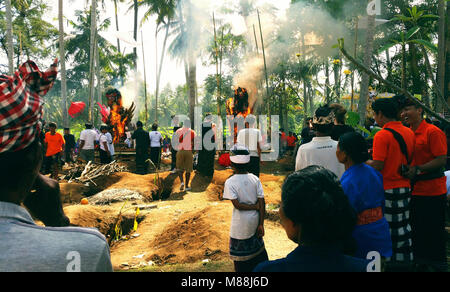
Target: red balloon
[[76, 109]]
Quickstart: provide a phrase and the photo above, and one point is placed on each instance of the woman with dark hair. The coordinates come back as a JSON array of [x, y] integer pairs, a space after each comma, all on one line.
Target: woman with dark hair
[[363, 185], [339, 128], [317, 215]]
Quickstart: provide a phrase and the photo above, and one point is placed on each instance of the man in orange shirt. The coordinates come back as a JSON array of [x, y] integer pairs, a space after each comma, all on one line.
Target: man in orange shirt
[[388, 158], [54, 143], [428, 202]]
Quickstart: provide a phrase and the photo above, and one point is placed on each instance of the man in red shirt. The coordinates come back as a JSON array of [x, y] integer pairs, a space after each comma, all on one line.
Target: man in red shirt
[[185, 156], [388, 158], [291, 141], [428, 202], [54, 143]]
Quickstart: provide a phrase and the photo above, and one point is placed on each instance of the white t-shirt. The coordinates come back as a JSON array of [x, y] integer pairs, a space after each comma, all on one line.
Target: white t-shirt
[[246, 188], [320, 151], [103, 139], [250, 138], [155, 139], [110, 143], [88, 136], [107, 138]]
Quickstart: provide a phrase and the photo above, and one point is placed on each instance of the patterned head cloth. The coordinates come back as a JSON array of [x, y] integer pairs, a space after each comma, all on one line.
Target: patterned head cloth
[[21, 105], [324, 116]]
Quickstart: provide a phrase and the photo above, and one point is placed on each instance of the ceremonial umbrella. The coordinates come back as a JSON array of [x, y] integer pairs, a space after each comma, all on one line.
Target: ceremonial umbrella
[[76, 109]]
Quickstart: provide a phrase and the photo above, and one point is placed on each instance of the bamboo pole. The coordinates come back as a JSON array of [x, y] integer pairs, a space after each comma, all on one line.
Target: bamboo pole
[[265, 65], [256, 39]]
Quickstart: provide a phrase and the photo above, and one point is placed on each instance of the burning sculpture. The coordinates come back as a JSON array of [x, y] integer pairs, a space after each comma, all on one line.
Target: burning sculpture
[[119, 117], [238, 107]]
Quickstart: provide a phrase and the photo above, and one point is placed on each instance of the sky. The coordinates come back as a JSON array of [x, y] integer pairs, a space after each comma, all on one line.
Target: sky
[[173, 72]]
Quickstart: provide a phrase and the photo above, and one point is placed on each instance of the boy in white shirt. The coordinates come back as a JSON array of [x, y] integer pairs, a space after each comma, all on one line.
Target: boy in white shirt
[[245, 191]]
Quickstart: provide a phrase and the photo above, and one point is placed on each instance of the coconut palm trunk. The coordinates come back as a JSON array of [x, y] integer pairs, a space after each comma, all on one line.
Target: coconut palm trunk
[[441, 68], [92, 58], [364, 91], [447, 61], [62, 58], [9, 37], [192, 84], [116, 15], [136, 13], [158, 75]]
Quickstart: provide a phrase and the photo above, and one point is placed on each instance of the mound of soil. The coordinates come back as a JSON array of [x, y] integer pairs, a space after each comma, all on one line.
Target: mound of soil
[[195, 236]]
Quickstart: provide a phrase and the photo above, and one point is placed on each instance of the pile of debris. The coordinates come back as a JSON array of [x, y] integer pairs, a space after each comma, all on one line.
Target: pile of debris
[[84, 174], [108, 197]]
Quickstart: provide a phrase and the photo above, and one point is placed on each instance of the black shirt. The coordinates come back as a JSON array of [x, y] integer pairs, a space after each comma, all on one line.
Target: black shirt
[[70, 142], [142, 139]]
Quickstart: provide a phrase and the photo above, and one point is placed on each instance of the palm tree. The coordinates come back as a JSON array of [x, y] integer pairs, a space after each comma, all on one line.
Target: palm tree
[[116, 16], [62, 58], [441, 61], [165, 10], [183, 48], [365, 79], [92, 57], [9, 37]]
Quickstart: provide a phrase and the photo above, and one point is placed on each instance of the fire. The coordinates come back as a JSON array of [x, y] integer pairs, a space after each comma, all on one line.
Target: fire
[[119, 116], [118, 123], [238, 107]]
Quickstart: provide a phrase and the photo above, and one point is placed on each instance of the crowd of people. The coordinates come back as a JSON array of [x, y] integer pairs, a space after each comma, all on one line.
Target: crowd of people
[[60, 149], [340, 204]]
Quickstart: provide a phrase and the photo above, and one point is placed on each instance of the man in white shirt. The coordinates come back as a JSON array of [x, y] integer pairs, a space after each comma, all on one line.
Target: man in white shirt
[[251, 138], [155, 145], [87, 143], [322, 149]]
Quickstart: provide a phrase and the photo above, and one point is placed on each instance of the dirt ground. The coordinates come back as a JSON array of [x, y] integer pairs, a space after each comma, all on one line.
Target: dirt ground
[[184, 228]]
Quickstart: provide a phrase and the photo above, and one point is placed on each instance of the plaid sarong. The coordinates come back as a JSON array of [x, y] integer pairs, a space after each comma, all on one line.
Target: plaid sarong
[[21, 104], [397, 214]]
